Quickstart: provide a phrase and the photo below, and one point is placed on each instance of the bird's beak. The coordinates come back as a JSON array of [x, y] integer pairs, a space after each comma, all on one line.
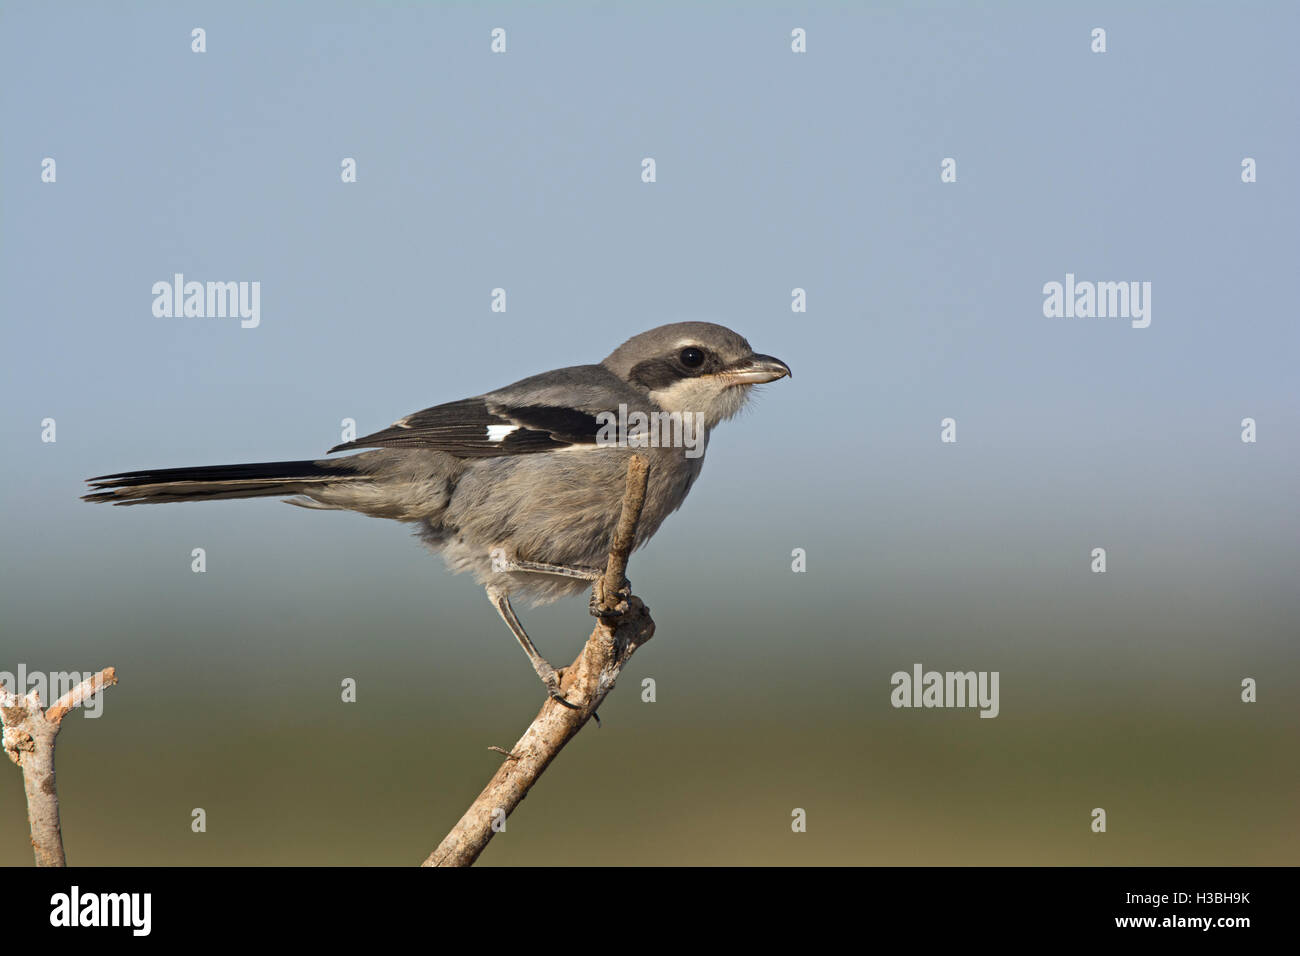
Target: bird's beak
[[757, 369]]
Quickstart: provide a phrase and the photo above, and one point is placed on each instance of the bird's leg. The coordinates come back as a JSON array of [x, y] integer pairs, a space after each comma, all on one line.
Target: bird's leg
[[501, 563], [501, 601]]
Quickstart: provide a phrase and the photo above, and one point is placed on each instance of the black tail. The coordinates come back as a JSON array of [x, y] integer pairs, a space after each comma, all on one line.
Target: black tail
[[214, 482]]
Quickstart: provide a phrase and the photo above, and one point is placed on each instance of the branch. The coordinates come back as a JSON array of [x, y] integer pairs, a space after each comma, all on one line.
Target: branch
[[624, 624], [620, 549], [29, 736], [86, 689]]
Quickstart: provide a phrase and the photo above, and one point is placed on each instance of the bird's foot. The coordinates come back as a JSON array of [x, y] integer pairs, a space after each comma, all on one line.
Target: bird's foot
[[551, 678], [619, 605]]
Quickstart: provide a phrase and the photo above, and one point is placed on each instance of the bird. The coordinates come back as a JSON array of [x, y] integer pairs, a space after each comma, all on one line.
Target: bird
[[521, 486]]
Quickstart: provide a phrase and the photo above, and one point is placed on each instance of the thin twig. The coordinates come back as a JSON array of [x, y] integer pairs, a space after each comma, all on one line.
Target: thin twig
[[29, 735], [87, 688], [620, 548], [624, 625]]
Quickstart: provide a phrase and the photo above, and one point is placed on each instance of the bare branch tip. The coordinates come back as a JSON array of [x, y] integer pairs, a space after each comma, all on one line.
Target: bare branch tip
[[86, 689]]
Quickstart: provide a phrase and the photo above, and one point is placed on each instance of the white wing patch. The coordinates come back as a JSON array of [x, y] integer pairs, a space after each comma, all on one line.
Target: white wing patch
[[499, 432]]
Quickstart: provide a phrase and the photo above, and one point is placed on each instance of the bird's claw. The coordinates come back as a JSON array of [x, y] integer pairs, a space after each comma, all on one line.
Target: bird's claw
[[552, 681], [558, 697], [596, 605]]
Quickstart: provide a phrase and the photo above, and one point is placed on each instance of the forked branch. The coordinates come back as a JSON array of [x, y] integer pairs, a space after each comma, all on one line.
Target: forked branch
[[29, 735]]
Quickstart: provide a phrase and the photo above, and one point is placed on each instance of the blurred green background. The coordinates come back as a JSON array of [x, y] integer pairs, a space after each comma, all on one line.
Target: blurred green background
[[772, 693]]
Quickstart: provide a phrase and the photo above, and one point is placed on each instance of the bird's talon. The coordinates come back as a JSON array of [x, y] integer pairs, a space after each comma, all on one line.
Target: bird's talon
[[596, 605], [552, 680], [559, 699]]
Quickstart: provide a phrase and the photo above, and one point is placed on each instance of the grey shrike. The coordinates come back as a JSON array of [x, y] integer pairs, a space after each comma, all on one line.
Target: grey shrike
[[522, 486]]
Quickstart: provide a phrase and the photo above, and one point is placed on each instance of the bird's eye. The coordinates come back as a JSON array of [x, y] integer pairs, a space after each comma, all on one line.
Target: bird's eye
[[692, 357]]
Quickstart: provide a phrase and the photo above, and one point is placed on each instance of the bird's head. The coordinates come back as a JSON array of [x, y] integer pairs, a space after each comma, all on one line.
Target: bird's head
[[693, 367]]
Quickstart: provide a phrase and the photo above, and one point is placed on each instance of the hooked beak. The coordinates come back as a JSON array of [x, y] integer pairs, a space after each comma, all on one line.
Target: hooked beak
[[756, 370]]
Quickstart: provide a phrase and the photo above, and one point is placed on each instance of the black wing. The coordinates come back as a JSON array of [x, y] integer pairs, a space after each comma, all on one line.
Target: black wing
[[478, 428]]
